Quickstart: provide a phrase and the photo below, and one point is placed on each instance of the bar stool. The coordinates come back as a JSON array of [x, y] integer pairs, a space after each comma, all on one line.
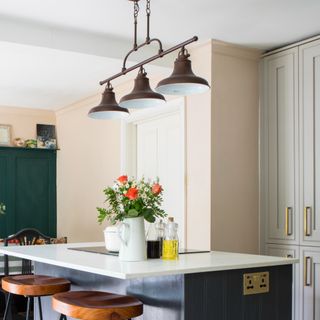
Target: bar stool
[[96, 305], [32, 286]]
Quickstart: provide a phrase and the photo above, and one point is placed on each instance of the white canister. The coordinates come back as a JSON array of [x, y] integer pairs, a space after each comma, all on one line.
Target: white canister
[[111, 238]]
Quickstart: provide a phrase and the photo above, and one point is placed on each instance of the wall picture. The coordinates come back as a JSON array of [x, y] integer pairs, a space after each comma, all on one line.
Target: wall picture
[[46, 136], [5, 135]]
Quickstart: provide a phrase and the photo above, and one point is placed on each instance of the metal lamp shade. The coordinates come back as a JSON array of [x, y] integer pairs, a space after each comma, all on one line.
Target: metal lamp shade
[[142, 96], [108, 107], [182, 80]]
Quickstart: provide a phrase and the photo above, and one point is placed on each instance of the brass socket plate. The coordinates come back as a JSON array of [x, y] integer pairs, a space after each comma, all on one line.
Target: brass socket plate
[[255, 283]]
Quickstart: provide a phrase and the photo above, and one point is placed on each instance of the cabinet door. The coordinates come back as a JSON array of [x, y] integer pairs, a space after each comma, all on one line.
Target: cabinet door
[[310, 273], [6, 194], [281, 110], [310, 142], [277, 250], [28, 188], [34, 194]]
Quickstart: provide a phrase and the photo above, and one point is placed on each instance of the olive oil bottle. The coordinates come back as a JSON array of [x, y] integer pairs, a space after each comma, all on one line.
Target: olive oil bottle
[[170, 247]]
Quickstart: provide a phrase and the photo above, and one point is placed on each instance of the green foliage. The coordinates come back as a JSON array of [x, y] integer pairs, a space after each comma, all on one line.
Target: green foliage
[[131, 199]]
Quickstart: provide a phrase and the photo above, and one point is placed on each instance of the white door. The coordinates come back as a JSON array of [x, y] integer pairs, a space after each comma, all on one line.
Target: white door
[[160, 153], [281, 109], [288, 251], [310, 139], [310, 273]]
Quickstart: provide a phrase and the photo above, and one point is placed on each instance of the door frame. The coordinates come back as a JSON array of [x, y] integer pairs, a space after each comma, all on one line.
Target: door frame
[[128, 158]]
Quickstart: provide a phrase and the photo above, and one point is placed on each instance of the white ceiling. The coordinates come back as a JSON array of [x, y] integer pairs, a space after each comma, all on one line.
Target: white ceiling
[[258, 23], [54, 52], [43, 78]]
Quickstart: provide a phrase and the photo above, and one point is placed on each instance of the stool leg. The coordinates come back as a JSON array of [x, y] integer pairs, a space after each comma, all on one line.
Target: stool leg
[[8, 305], [28, 308], [63, 317], [40, 307]]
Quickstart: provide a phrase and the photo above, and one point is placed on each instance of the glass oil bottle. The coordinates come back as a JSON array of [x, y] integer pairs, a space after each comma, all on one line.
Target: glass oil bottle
[[170, 247]]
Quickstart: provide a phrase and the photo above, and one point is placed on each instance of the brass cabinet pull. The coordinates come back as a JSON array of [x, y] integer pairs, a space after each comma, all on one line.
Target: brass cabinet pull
[[289, 256], [288, 221], [308, 275], [307, 221]]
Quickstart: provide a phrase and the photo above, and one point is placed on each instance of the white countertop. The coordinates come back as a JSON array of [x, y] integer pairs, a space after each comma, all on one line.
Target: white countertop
[[60, 255]]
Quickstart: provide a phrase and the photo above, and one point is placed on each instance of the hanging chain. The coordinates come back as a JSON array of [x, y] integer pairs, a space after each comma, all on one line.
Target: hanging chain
[[148, 11], [135, 16], [109, 85]]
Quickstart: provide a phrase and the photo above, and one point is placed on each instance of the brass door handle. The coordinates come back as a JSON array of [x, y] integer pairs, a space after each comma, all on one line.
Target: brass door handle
[[307, 221], [308, 275], [288, 227]]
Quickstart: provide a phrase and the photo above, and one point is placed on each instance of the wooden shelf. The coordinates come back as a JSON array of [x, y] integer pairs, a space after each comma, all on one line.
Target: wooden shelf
[[24, 148]]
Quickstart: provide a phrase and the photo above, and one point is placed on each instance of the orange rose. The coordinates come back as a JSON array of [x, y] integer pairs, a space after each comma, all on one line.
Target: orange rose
[[156, 188], [132, 194], [123, 179]]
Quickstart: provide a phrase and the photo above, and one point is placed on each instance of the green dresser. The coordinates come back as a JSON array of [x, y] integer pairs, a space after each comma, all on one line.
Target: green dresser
[[28, 189]]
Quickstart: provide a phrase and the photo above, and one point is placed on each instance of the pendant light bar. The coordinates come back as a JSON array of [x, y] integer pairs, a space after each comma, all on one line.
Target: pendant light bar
[[182, 81], [155, 57]]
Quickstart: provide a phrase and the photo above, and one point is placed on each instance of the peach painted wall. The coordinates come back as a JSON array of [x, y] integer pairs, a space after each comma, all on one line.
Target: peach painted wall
[[198, 162], [222, 150], [221, 158], [235, 154], [88, 161], [24, 120]]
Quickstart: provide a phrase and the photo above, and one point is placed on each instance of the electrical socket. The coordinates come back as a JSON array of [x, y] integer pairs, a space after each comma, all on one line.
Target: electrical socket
[[255, 283]]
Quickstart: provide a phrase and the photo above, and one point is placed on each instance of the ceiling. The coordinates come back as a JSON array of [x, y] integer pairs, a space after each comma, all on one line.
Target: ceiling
[[44, 78], [54, 52], [256, 23]]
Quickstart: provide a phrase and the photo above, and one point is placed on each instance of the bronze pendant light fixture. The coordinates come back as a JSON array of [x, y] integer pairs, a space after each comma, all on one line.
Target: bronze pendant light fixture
[[142, 95], [181, 82], [108, 107]]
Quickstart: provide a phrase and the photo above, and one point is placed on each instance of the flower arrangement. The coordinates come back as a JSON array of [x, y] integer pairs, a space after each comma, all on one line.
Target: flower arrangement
[[2, 208], [129, 198]]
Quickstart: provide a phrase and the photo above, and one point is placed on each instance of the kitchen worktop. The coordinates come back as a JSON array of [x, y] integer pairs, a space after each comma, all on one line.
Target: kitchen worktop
[[59, 255]]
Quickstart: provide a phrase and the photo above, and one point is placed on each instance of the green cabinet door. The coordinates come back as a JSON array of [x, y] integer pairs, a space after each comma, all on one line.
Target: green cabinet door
[[28, 188]]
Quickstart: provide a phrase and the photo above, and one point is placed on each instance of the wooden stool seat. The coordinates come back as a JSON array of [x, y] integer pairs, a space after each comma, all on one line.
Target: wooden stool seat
[[96, 305], [35, 285]]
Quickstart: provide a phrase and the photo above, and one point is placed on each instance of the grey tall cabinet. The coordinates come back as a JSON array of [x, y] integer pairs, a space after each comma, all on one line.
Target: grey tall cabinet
[[290, 166]]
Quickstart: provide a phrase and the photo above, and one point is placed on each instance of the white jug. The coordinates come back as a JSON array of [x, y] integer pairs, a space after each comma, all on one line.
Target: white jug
[[133, 240]]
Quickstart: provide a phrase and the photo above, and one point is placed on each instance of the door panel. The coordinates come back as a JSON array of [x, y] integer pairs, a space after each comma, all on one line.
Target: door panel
[[310, 139], [310, 273], [278, 250], [32, 203], [3, 195], [160, 154], [280, 72], [28, 188]]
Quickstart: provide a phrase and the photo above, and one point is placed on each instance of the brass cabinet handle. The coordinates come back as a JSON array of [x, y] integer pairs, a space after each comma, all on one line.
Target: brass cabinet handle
[[289, 256], [308, 275], [307, 225], [288, 227]]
